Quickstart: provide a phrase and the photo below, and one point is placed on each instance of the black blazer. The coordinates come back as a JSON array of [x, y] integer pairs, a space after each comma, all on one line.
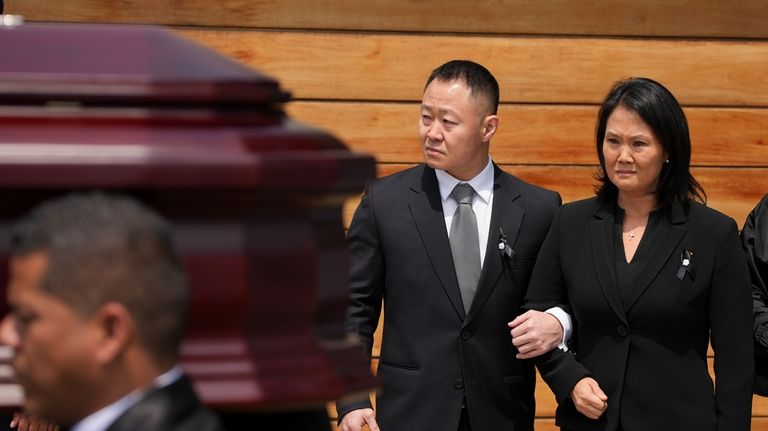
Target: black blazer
[[172, 408], [650, 357], [754, 236], [432, 354]]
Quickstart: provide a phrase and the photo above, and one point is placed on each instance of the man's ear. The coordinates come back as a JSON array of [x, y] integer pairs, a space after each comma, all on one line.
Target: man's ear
[[116, 329], [490, 126]]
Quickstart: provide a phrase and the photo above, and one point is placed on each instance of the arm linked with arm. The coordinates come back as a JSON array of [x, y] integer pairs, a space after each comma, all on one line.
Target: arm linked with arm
[[547, 289]]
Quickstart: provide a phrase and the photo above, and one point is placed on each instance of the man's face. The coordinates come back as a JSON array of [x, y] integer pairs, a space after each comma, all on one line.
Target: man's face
[[51, 344], [455, 129]]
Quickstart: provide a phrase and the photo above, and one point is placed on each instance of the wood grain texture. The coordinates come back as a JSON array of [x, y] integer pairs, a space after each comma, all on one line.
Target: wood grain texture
[[744, 19], [535, 134], [373, 66]]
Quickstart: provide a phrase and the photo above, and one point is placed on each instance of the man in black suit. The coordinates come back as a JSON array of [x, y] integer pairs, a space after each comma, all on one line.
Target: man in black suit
[[447, 362], [754, 238], [98, 302]]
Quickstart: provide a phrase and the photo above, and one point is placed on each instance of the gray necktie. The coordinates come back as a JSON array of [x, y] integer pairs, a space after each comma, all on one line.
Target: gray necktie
[[464, 243]]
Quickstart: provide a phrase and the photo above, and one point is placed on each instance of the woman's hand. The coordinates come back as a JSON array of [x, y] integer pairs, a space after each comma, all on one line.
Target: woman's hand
[[589, 399]]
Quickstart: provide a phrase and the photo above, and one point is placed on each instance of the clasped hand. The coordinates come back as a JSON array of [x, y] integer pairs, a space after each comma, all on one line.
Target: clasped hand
[[589, 399], [535, 333]]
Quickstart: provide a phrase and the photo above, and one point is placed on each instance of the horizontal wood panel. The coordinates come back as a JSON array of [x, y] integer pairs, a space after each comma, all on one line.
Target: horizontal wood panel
[[349, 66], [535, 134], [733, 191], [624, 17]]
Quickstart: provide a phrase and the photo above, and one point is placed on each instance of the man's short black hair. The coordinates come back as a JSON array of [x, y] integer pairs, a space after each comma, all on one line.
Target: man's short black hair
[[480, 80]]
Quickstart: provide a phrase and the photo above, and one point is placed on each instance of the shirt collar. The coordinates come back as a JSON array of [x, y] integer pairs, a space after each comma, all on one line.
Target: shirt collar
[[103, 418], [482, 182]]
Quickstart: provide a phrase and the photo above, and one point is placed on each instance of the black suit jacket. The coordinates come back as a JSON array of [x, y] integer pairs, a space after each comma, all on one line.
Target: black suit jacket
[[650, 357], [754, 236], [171, 408], [432, 354]]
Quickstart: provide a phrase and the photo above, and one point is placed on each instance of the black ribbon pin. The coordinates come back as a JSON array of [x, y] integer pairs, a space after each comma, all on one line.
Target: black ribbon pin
[[504, 247], [685, 265]]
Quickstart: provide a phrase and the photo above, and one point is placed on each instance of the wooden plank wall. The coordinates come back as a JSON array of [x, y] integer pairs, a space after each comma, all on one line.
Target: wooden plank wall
[[357, 69]]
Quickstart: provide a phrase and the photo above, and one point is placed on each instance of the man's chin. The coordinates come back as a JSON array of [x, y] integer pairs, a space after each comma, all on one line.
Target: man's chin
[[434, 164]]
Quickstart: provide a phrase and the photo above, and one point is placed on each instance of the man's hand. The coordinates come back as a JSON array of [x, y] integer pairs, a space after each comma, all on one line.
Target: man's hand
[[356, 419], [535, 333], [589, 399], [27, 422]]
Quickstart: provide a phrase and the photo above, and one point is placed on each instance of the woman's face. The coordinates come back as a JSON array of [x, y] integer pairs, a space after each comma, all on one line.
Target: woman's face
[[633, 155]]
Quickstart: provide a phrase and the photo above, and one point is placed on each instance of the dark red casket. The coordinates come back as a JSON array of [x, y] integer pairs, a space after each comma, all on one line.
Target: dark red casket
[[254, 197]]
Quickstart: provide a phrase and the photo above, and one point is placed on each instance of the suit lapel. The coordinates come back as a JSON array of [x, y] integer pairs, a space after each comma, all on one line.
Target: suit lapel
[[427, 211], [601, 231], [507, 216], [670, 233]]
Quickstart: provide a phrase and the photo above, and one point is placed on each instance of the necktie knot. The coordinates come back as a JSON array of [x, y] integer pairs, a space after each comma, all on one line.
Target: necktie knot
[[463, 193]]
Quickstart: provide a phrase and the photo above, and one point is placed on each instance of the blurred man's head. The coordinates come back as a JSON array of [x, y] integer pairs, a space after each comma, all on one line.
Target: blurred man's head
[[98, 303]]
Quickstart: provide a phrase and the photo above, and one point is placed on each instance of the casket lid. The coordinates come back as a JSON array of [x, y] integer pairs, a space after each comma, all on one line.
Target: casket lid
[[71, 62], [119, 106]]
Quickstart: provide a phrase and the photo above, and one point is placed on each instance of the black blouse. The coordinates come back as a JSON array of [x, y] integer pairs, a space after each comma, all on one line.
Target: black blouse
[[627, 272]]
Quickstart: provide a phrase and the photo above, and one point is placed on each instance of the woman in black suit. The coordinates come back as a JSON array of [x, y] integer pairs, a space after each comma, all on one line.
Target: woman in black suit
[[754, 236], [652, 276]]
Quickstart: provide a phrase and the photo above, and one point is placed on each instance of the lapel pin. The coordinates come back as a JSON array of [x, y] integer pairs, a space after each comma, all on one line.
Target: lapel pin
[[504, 247], [685, 265]]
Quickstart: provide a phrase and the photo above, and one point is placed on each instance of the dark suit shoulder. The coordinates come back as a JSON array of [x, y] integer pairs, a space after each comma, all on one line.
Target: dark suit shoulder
[[171, 408], [581, 208], [390, 192], [404, 178], [709, 219]]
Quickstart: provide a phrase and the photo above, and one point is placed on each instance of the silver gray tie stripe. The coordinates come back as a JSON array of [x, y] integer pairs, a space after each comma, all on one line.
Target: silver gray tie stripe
[[464, 243]]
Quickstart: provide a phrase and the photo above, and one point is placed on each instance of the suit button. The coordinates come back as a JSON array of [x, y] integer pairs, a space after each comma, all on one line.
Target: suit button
[[622, 330], [458, 384], [465, 335]]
